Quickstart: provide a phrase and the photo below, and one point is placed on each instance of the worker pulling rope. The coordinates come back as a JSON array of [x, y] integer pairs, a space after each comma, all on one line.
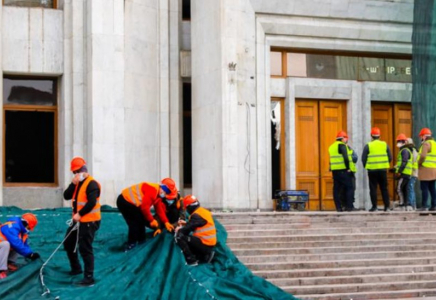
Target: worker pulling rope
[[41, 275]]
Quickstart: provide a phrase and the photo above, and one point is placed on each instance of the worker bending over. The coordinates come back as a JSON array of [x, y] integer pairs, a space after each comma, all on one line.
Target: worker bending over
[[13, 241], [199, 245], [135, 202]]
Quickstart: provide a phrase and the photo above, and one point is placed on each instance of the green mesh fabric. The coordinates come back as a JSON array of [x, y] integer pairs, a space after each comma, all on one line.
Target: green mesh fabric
[[423, 66], [154, 270]]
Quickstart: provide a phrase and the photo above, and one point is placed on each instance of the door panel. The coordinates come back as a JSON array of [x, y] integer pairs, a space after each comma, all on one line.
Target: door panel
[[317, 123], [307, 149], [332, 120]]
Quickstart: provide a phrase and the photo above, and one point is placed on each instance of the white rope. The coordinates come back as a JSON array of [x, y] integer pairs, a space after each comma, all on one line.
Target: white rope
[[41, 275]]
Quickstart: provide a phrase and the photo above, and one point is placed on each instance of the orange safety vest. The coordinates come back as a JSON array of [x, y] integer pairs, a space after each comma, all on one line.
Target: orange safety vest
[[4, 239], [94, 214], [206, 233], [134, 193]]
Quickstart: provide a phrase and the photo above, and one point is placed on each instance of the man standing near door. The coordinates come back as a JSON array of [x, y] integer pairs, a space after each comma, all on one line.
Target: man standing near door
[[376, 158], [427, 168], [342, 174]]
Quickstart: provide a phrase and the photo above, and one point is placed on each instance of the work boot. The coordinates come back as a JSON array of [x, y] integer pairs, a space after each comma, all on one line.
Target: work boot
[[387, 209], [3, 274], [192, 263], [432, 208], [373, 209], [87, 281], [423, 209]]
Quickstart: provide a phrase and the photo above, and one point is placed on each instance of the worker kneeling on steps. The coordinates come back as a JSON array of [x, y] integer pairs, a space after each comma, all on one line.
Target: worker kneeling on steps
[[199, 245], [13, 241]]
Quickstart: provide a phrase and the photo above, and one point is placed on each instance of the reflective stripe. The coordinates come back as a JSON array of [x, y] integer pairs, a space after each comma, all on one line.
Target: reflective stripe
[[94, 210], [377, 162], [379, 155], [207, 237], [205, 229], [81, 203]]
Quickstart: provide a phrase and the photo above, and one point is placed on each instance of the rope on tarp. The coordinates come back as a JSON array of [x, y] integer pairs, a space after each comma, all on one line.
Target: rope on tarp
[[41, 275]]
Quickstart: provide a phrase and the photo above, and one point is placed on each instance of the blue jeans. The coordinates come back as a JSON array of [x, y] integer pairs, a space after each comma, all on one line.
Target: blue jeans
[[411, 192]]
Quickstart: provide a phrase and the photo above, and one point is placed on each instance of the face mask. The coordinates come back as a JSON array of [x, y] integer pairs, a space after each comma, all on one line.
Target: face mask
[[162, 195], [169, 201], [82, 176], [399, 145]]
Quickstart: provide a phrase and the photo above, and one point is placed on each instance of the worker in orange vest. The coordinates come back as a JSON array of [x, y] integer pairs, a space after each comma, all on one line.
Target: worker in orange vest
[[174, 212], [199, 245], [135, 203], [13, 241], [84, 191]]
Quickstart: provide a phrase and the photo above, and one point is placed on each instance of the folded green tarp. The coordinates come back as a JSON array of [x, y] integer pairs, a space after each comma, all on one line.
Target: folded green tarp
[[154, 270]]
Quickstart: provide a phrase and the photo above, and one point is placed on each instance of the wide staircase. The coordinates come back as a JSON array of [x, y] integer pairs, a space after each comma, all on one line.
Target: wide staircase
[[329, 255]]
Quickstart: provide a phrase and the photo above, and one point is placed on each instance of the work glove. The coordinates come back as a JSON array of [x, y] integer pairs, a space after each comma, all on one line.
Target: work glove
[[158, 231], [154, 224], [34, 256], [169, 227]]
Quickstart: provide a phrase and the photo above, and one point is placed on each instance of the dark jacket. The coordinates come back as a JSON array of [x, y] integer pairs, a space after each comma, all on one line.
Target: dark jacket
[[194, 222], [92, 193], [405, 156]]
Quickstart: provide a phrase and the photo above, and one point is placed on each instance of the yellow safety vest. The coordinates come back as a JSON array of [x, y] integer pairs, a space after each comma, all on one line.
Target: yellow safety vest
[[408, 169], [430, 159], [350, 159], [378, 156], [336, 159]]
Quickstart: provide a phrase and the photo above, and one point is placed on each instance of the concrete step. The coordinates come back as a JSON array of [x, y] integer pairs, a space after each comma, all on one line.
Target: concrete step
[[401, 294], [325, 218], [304, 225], [328, 237], [358, 288], [308, 231], [341, 263], [356, 279], [350, 271], [325, 250], [341, 243], [336, 256]]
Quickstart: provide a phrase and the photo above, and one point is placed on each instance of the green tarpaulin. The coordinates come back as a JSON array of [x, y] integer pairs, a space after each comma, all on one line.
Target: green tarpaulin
[[154, 270]]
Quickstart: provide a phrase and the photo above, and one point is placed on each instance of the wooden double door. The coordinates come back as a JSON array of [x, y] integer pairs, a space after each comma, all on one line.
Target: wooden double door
[[392, 119], [317, 123]]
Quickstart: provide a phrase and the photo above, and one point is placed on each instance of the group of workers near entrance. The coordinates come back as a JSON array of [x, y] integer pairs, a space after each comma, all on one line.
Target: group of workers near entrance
[[411, 164], [196, 235]]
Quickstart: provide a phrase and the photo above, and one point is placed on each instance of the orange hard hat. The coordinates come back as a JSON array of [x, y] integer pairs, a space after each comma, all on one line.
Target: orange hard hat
[[76, 163], [169, 187], [30, 219], [188, 200], [341, 134], [375, 131], [401, 137], [425, 131]]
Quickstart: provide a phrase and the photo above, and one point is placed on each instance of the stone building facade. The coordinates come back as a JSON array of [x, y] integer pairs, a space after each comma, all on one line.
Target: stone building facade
[[121, 68]]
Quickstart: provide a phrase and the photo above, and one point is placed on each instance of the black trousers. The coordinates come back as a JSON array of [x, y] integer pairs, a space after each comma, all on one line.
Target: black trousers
[[135, 220], [86, 238], [342, 183], [342, 193], [378, 178], [192, 247], [402, 185]]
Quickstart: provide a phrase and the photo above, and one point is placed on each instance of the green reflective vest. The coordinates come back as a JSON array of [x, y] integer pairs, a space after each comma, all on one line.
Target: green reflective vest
[[430, 159], [350, 159], [378, 156], [415, 162], [336, 159], [408, 169]]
